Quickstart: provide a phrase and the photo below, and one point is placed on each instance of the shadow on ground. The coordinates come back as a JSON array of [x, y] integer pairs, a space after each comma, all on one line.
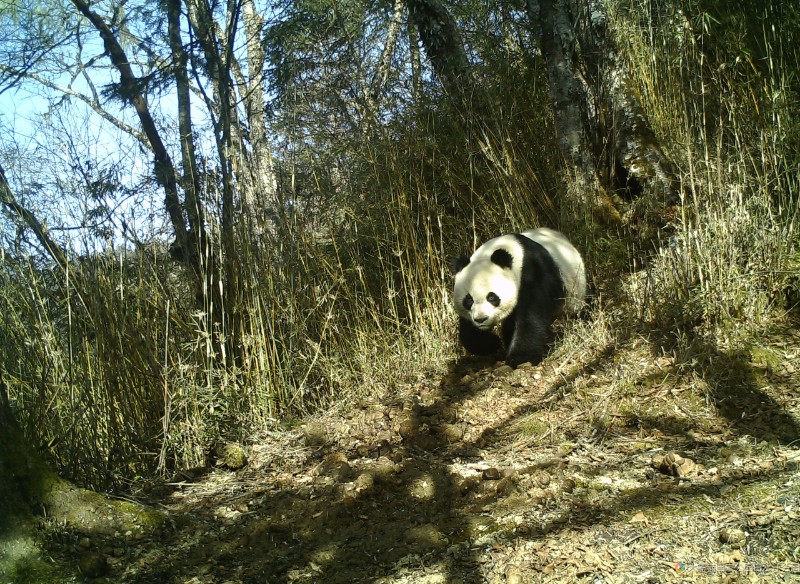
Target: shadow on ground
[[424, 487]]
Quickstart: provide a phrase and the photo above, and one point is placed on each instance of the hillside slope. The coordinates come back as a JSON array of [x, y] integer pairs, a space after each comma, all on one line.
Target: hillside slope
[[616, 466]]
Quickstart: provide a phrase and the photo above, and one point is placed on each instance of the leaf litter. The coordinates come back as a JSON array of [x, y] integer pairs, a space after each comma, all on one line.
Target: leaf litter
[[609, 467]]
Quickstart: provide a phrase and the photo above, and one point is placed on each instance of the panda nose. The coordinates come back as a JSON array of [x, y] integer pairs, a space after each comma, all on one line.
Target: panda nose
[[481, 320]]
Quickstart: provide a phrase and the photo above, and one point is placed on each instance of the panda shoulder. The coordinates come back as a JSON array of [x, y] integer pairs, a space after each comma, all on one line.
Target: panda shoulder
[[565, 255], [537, 256], [509, 242]]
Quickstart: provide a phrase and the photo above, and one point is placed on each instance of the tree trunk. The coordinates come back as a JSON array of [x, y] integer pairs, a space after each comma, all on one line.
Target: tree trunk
[[17, 527], [416, 62], [260, 193], [191, 178], [443, 44], [381, 77], [28, 485], [264, 184], [604, 134], [217, 47], [570, 96], [207, 292], [164, 169]]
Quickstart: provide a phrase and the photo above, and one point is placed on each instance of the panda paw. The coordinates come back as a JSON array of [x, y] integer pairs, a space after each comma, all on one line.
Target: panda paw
[[516, 360], [519, 353]]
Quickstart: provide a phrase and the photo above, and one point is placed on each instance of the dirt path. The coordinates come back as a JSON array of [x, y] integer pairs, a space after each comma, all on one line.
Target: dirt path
[[610, 467]]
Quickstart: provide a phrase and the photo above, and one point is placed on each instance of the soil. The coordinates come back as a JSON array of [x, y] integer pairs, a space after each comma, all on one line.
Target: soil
[[618, 465]]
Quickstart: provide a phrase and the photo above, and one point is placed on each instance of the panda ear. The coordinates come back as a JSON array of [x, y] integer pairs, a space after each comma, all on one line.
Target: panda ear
[[502, 258], [458, 263]]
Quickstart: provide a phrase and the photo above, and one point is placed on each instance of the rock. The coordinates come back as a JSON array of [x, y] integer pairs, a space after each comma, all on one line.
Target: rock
[[735, 538], [503, 371], [542, 478], [347, 493], [315, 434], [568, 485], [363, 482], [673, 464], [426, 442], [465, 485], [334, 465], [93, 565], [491, 474], [448, 414], [734, 459], [408, 429], [513, 575], [384, 468], [450, 432], [232, 456], [422, 488], [505, 486]]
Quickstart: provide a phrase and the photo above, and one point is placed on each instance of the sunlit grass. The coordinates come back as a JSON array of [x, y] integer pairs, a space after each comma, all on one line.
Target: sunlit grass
[[116, 372]]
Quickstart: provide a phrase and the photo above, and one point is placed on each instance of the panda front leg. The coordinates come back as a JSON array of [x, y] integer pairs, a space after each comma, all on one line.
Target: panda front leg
[[475, 340], [525, 337]]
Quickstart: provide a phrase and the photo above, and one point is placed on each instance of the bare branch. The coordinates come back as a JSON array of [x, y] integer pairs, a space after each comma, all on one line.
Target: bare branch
[[384, 64], [164, 168], [92, 102], [8, 200]]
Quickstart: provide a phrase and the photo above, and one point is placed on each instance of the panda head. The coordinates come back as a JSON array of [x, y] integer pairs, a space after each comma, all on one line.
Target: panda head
[[486, 287]]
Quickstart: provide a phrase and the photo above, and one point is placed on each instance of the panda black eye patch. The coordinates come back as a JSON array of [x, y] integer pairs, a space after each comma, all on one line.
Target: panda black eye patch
[[493, 299], [468, 302]]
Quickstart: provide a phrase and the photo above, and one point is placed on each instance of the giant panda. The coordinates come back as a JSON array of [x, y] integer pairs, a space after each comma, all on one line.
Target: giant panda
[[519, 283]]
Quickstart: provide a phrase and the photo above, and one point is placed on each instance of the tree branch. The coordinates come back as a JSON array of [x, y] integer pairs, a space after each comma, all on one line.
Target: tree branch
[[93, 103], [164, 169], [42, 233]]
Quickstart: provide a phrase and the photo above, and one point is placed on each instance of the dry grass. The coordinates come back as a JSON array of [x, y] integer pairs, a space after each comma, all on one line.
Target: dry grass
[[118, 372]]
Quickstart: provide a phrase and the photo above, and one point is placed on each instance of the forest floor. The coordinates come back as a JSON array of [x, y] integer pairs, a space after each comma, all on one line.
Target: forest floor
[[617, 465]]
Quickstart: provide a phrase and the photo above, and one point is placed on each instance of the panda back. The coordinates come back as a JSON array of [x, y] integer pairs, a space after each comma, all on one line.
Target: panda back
[[569, 262]]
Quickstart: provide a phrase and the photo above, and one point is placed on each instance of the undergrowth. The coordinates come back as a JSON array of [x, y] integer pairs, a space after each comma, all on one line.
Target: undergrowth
[[114, 370]]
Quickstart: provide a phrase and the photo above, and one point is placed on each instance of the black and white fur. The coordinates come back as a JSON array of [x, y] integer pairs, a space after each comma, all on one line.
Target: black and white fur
[[518, 282]]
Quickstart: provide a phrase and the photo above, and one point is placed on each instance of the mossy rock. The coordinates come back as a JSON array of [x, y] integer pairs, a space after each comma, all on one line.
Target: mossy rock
[[232, 455]]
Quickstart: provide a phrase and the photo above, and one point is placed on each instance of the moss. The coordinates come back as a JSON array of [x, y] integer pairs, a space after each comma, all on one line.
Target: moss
[[232, 456], [91, 512], [33, 570], [533, 427], [27, 482], [766, 357], [21, 560]]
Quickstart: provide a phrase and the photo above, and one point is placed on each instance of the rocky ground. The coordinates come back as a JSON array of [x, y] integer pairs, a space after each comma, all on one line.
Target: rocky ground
[[622, 465]]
